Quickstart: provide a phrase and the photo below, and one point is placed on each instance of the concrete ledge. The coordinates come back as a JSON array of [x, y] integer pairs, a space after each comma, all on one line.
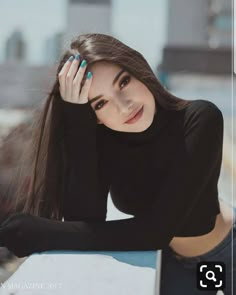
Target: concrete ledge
[[86, 273]]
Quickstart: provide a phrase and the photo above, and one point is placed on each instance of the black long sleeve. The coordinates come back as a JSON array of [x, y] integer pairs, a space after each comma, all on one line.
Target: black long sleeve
[[86, 191], [190, 182]]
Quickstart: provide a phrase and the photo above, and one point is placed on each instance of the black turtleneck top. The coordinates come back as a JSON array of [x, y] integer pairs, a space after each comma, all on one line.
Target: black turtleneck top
[[165, 176]]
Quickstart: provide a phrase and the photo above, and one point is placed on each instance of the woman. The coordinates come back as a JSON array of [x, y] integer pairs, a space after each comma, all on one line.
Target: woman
[[109, 125]]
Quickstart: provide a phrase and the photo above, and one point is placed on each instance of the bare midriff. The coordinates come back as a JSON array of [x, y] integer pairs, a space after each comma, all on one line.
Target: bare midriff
[[194, 246]]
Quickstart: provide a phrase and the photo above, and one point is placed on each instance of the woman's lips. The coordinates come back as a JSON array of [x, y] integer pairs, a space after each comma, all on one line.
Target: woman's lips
[[136, 117]]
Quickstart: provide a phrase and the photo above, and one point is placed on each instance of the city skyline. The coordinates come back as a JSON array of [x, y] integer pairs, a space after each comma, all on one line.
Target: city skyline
[[125, 25]]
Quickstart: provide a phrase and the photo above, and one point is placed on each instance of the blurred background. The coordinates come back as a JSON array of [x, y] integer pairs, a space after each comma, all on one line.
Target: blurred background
[[187, 43]]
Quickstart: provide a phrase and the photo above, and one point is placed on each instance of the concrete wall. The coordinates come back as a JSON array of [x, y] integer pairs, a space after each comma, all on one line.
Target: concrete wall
[[187, 21]]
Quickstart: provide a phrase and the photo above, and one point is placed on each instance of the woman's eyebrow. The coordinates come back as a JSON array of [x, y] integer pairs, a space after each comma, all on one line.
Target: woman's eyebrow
[[113, 83]]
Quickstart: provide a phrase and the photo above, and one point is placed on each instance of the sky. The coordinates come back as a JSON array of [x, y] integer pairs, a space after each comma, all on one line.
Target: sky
[[137, 24]]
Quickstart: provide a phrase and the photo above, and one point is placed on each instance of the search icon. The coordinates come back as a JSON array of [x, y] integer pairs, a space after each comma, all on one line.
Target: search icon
[[212, 277]]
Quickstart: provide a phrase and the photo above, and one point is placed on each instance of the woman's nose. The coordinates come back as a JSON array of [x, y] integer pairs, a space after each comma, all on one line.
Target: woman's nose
[[125, 106]]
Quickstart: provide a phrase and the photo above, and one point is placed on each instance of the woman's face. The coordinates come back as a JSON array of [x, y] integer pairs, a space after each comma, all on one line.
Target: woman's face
[[116, 97]]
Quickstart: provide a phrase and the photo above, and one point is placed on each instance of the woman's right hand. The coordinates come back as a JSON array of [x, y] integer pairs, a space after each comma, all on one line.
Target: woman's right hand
[[70, 79]]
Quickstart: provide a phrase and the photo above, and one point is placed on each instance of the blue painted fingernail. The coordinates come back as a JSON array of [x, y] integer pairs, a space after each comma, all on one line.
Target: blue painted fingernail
[[83, 63], [89, 75], [77, 56], [71, 58]]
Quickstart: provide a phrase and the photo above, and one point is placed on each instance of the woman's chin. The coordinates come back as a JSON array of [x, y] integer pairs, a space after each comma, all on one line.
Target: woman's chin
[[134, 128]]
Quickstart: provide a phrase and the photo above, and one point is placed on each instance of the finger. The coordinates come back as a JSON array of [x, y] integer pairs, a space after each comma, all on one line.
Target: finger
[[62, 75], [85, 89], [70, 76], [77, 81]]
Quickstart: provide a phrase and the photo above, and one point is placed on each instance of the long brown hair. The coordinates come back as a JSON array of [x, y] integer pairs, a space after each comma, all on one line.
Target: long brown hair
[[40, 181]]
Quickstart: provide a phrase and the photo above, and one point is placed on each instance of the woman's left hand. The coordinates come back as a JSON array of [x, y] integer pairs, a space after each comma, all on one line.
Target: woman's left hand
[[24, 234]]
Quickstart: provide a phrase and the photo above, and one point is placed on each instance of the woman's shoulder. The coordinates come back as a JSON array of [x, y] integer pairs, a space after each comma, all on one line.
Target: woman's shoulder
[[202, 106], [202, 111]]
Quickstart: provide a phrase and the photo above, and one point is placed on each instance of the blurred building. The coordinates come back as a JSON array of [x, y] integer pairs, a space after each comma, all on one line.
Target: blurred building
[[53, 48], [79, 14], [199, 37], [15, 50], [197, 57], [24, 86]]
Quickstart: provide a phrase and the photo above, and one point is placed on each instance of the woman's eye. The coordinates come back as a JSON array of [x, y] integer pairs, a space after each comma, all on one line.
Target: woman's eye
[[124, 81], [99, 105]]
